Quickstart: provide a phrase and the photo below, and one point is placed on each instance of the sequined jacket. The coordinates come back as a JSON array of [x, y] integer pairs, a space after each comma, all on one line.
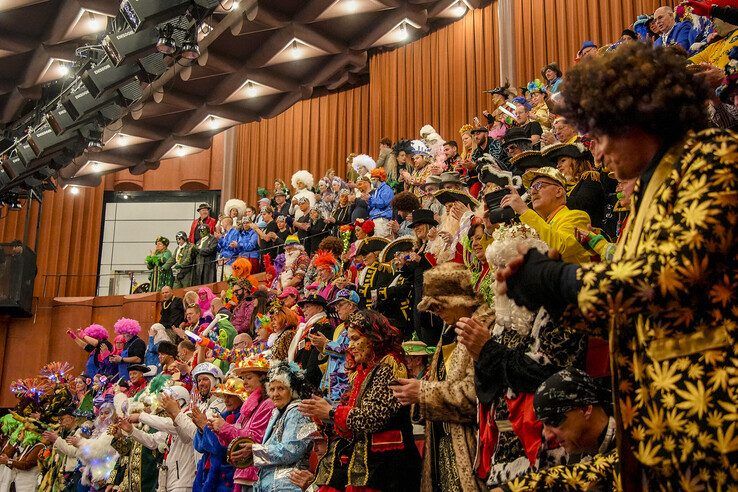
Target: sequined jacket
[[668, 302]]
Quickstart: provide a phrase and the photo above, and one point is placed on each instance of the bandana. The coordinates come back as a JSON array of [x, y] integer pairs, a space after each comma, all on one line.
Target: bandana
[[565, 391]]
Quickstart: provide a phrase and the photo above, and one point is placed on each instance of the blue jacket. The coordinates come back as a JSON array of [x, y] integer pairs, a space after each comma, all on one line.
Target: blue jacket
[[152, 355], [214, 473], [225, 250], [248, 244], [679, 35], [379, 202], [287, 444]]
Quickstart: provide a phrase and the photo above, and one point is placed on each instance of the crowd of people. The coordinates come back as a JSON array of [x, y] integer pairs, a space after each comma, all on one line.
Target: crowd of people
[[546, 305]]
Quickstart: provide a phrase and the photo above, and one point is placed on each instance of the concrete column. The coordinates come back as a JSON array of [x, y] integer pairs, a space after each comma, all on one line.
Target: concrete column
[[506, 36], [229, 165]]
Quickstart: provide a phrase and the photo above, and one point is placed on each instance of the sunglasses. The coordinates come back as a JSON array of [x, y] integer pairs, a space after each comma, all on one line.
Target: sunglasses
[[540, 184], [554, 420]]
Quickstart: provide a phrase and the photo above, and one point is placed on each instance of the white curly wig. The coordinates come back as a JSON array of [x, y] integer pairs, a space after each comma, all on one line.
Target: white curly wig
[[239, 205], [303, 176], [427, 130], [363, 160]]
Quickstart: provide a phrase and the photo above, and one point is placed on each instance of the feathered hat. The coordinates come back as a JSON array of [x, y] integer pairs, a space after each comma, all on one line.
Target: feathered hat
[[419, 147], [402, 145], [536, 86], [303, 177], [239, 205], [363, 160], [291, 376]]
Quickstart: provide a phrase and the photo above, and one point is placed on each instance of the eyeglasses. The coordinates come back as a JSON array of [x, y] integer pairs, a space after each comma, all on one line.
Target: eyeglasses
[[540, 184]]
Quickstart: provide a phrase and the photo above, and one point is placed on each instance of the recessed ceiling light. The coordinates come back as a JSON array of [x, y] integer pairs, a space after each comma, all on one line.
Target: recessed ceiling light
[[213, 122], [93, 22], [295, 50], [180, 151], [125, 196], [251, 90], [234, 5], [350, 5], [402, 33], [122, 139], [63, 70], [74, 190], [95, 166]]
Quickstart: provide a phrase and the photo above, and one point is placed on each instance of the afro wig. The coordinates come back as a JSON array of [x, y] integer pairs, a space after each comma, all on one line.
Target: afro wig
[[127, 326]]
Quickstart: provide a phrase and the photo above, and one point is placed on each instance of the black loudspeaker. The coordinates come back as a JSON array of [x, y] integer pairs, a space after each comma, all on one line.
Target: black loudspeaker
[[17, 275]]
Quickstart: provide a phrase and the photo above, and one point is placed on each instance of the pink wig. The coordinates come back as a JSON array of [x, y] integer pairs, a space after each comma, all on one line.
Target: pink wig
[[127, 326], [209, 296], [98, 332]]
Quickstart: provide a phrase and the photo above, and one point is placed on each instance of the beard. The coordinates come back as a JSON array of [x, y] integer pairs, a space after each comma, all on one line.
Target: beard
[[291, 257]]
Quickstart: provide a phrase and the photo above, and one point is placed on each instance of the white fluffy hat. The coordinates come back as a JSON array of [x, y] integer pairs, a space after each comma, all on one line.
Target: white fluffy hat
[[427, 130], [363, 160], [239, 205]]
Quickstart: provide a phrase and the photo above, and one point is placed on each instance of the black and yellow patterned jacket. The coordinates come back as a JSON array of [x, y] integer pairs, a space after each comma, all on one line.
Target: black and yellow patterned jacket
[[668, 302]]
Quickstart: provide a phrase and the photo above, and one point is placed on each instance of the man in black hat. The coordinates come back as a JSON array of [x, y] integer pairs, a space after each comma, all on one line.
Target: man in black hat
[[204, 218], [413, 266], [516, 141], [206, 250], [183, 256], [374, 274], [574, 411], [302, 351]]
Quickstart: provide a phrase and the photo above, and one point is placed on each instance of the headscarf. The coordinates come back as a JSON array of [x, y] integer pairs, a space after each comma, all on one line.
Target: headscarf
[[564, 391]]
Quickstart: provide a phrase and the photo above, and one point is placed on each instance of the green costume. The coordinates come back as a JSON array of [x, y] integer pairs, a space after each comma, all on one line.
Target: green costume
[[183, 259], [160, 263]]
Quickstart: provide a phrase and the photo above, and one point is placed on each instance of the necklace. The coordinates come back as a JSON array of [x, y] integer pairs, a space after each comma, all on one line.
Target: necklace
[[165, 305]]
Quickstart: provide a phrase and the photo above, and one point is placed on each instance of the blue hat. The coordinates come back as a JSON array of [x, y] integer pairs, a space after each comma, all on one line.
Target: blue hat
[[346, 295], [585, 45]]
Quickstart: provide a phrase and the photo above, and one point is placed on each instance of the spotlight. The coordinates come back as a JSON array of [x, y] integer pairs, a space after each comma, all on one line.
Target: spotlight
[[190, 48], [63, 70], [125, 196], [295, 50], [93, 22], [95, 166], [350, 5], [213, 122], [180, 151], [74, 190], [166, 44], [459, 9], [251, 90], [95, 143], [402, 34], [122, 139]]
